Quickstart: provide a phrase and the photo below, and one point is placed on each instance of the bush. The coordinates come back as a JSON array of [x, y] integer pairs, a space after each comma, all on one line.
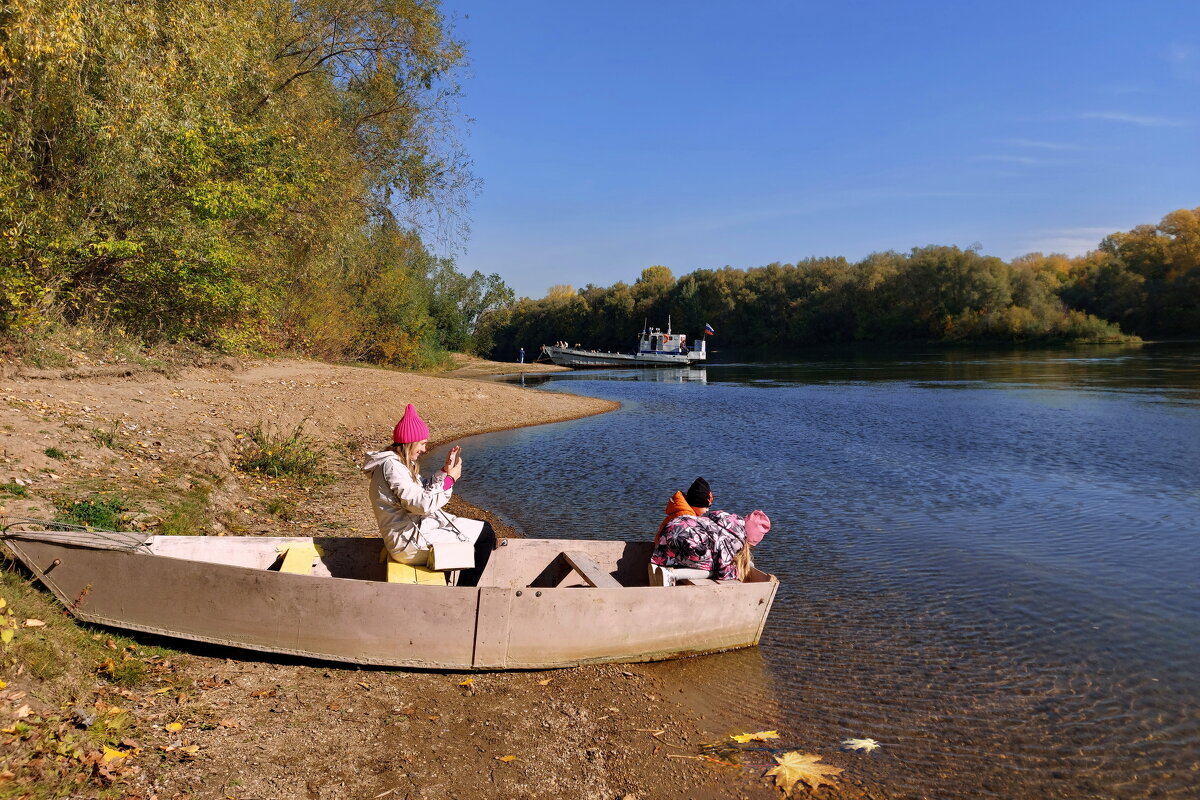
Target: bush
[[104, 513], [280, 455]]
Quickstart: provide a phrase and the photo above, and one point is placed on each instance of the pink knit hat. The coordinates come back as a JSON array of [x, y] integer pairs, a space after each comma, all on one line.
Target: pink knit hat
[[410, 428], [757, 525]]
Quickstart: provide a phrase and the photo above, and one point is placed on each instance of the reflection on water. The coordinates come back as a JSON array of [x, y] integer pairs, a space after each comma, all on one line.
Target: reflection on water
[[989, 562]]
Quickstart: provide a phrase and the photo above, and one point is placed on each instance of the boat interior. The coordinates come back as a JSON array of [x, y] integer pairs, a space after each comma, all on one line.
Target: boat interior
[[516, 563]]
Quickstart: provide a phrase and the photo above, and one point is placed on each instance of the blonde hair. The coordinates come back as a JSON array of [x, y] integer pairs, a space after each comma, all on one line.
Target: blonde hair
[[743, 562], [405, 452]]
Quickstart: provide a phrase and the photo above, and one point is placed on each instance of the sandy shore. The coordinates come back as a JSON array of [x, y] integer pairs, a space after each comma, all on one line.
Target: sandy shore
[[270, 728]]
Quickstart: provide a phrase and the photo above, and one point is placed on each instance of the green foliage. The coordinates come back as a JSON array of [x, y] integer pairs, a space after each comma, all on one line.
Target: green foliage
[[930, 294], [14, 489], [279, 455], [101, 513], [54, 452], [218, 173]]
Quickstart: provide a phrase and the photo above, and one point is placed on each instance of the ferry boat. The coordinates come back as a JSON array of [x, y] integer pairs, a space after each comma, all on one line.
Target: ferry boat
[[656, 348]]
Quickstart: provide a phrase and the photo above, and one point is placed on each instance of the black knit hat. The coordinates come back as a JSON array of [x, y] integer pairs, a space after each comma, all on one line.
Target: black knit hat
[[698, 494]]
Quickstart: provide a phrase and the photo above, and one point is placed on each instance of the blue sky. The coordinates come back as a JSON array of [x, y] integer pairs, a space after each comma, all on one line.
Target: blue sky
[[613, 136]]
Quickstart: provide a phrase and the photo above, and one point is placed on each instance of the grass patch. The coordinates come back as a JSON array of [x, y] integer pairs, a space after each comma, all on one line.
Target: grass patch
[[108, 438], [63, 665], [281, 507], [188, 516], [102, 513], [271, 452], [14, 489], [54, 452]]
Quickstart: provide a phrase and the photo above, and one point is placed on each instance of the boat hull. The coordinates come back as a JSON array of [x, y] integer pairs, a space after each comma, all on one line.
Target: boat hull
[[575, 357], [530, 612]]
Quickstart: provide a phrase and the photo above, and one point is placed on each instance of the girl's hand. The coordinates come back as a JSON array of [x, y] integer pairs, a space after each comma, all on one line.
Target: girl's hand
[[453, 466]]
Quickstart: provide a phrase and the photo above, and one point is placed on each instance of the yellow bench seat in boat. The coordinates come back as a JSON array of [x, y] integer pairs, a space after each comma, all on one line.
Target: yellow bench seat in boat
[[406, 573]]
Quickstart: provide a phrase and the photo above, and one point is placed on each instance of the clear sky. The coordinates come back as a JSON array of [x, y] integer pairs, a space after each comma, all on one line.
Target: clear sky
[[618, 135]]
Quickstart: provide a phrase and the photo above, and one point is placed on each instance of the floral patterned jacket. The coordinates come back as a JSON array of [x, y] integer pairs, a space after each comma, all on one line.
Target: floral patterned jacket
[[711, 541]]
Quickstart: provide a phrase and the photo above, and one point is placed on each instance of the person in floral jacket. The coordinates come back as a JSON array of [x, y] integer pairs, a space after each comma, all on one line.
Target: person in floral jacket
[[696, 536]]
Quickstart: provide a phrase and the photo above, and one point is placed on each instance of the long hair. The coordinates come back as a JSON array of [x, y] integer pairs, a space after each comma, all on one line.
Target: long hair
[[744, 562], [405, 451]]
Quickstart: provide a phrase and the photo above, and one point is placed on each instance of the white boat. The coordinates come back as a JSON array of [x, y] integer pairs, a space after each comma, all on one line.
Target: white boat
[[540, 603], [656, 348]]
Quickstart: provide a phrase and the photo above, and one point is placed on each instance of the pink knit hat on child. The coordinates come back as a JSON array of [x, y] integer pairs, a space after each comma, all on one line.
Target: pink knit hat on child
[[757, 525], [410, 428]]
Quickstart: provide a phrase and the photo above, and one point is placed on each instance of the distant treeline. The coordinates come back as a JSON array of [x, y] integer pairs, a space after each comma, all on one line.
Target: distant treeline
[[1145, 282], [246, 174]]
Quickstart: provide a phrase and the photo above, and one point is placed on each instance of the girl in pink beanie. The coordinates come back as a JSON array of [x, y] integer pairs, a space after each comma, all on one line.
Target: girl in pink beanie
[[408, 508]]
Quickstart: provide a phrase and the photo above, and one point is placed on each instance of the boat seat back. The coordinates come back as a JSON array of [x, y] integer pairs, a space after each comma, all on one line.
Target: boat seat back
[[591, 571]]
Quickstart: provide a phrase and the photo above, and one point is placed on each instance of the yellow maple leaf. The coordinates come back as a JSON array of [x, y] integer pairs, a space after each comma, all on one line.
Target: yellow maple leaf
[[174, 727], [506, 759], [467, 682], [795, 767], [761, 736]]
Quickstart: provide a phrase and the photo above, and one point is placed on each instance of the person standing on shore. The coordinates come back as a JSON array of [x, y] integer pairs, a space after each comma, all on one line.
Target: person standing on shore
[[521, 356], [408, 508]]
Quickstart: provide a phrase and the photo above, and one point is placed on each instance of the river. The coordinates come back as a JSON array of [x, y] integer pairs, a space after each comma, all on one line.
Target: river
[[989, 560]]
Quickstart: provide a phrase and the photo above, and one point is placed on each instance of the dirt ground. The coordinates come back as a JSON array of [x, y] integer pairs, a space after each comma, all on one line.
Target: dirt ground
[[256, 726]]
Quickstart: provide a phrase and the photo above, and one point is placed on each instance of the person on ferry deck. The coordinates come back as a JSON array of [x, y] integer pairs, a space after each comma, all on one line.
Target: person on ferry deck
[[696, 536], [408, 508]]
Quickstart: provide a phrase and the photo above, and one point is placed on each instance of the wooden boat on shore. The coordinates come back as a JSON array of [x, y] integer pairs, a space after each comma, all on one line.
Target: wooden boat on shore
[[541, 603], [656, 348]]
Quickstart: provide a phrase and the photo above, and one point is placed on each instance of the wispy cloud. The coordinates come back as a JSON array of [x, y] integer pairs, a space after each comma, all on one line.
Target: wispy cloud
[[1183, 60], [1024, 161], [1071, 241], [1035, 144], [1135, 119]]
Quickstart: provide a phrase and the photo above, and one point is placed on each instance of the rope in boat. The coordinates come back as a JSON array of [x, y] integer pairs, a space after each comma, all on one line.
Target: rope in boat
[[65, 533]]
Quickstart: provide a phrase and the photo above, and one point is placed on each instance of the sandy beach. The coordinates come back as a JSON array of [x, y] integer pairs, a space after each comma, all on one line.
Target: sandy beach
[[265, 727]]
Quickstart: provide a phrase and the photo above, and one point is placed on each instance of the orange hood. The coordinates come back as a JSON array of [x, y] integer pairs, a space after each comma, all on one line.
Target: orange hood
[[677, 506]]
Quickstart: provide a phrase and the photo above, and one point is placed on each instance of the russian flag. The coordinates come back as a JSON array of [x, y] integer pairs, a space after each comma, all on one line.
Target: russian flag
[[708, 329]]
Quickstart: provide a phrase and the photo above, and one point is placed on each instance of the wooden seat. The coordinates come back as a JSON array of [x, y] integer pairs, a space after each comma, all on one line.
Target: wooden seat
[[407, 573], [299, 559], [586, 566]]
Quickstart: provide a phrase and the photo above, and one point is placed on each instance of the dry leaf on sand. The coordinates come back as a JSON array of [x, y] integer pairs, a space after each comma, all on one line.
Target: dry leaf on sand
[[761, 736], [795, 767], [866, 745]]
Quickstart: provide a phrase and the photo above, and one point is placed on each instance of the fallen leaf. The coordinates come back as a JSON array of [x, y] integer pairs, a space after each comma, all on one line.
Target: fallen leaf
[[364, 685], [34, 623], [6, 635], [867, 745], [174, 727], [22, 712], [795, 767], [110, 754], [761, 736], [468, 682], [544, 683], [193, 749], [229, 723], [163, 690], [506, 759]]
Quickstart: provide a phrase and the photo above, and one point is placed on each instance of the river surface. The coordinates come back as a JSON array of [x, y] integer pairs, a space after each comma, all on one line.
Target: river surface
[[990, 562]]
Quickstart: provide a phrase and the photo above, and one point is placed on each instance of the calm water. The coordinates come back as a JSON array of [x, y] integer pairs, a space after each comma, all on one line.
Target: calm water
[[989, 562]]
